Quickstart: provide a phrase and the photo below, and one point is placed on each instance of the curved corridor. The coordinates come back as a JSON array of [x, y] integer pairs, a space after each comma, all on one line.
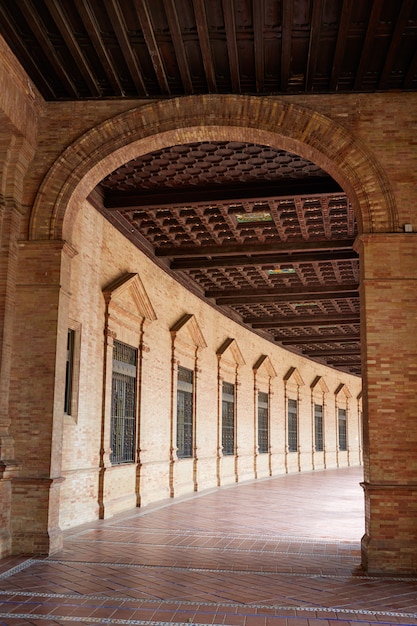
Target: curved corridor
[[285, 550]]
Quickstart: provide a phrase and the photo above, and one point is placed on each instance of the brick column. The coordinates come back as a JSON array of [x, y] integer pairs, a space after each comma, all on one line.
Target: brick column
[[10, 222], [37, 393], [389, 349], [16, 154]]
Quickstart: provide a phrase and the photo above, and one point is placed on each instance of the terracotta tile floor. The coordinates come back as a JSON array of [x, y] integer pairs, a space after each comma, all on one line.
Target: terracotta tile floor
[[282, 551]]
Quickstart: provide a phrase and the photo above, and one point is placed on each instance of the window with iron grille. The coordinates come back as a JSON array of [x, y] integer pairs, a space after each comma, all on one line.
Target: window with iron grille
[[69, 373], [185, 412], [318, 427], [341, 418], [228, 418], [292, 426], [263, 429], [123, 405]]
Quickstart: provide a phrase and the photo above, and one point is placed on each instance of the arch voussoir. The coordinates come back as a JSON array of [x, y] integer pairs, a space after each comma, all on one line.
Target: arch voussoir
[[273, 121]]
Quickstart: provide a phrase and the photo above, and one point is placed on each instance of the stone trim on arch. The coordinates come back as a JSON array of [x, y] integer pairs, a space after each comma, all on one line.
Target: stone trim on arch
[[272, 121]]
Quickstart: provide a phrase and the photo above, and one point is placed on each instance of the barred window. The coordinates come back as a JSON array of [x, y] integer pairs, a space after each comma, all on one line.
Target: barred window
[[263, 426], [228, 418], [292, 426], [69, 373], [185, 412], [318, 427], [123, 405], [341, 418]]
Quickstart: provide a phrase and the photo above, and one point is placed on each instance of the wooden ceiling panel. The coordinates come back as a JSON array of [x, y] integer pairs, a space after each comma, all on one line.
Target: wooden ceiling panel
[[262, 234], [239, 224], [128, 48]]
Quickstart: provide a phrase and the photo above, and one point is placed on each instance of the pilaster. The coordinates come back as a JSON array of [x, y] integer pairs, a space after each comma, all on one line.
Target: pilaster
[[37, 393], [389, 351]]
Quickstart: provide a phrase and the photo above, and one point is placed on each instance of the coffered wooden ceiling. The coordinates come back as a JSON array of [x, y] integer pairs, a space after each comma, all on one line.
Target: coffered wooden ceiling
[[264, 235]]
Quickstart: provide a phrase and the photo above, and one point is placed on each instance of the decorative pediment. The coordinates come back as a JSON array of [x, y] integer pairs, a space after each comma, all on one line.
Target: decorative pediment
[[264, 367], [293, 376], [127, 293], [188, 331], [342, 390], [319, 385], [230, 351]]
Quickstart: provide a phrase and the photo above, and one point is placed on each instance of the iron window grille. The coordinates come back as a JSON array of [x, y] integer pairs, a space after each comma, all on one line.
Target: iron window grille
[[292, 426], [263, 430], [69, 373], [341, 418], [185, 412], [123, 405], [228, 418], [318, 427]]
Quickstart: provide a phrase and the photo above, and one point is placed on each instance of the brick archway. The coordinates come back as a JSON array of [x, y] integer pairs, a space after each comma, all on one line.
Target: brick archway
[[269, 121]]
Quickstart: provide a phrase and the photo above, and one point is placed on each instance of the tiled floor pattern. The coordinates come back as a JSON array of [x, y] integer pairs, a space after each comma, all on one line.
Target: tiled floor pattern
[[282, 551]]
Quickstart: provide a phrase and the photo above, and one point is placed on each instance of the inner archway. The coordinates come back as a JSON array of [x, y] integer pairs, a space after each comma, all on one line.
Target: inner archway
[[257, 121]]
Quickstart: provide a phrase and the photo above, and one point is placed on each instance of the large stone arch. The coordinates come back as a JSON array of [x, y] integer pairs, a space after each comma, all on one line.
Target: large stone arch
[[270, 121]]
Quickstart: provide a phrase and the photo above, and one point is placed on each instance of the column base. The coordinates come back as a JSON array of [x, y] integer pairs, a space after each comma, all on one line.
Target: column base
[[34, 516], [389, 546], [8, 470], [35, 543], [389, 557]]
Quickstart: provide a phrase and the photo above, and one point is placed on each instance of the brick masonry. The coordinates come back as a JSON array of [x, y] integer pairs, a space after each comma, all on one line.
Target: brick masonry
[[52, 155]]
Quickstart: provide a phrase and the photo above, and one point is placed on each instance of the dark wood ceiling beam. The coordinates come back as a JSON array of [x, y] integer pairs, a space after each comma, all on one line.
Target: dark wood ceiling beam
[[344, 23], [299, 207], [271, 291], [411, 72], [142, 10], [286, 38], [302, 320], [33, 19], [284, 298], [368, 43], [64, 27], [260, 249], [333, 353], [120, 201], [230, 26], [35, 72], [315, 339], [407, 7], [264, 260], [314, 43], [178, 43], [258, 42], [120, 28], [204, 40], [345, 364], [90, 24]]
